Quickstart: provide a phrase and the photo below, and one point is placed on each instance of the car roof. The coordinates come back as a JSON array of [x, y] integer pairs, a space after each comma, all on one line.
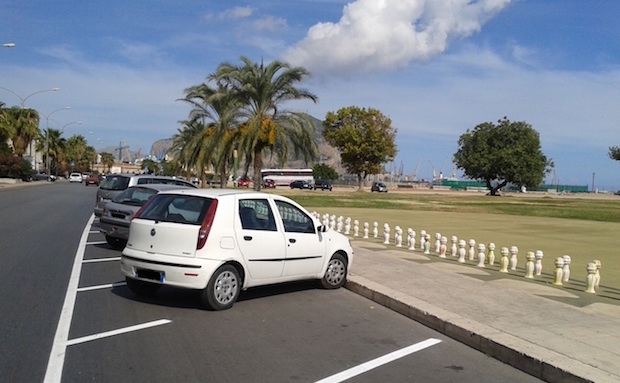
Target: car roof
[[217, 193], [158, 187]]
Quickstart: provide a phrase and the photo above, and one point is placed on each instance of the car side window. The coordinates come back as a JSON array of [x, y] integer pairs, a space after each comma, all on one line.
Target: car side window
[[294, 220], [256, 214]]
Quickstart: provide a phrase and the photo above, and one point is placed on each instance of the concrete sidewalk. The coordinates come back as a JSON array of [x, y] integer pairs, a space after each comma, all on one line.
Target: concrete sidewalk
[[532, 325]]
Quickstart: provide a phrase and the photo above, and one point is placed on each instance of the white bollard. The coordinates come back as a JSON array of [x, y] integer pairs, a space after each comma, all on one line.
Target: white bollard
[[566, 268], [557, 276], [386, 234], [462, 251], [375, 229], [538, 265], [443, 247], [347, 226], [427, 244], [437, 242], [590, 279], [422, 239], [356, 228], [514, 252], [504, 261], [472, 249], [529, 264], [481, 255], [491, 255], [597, 275], [365, 230], [453, 249]]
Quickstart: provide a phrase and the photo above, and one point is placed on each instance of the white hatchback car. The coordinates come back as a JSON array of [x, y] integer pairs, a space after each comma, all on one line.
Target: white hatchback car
[[75, 177], [223, 241]]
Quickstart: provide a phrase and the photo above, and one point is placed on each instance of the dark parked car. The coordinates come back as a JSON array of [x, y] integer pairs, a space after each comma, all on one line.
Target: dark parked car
[[323, 185], [44, 177], [117, 214], [379, 187], [299, 184]]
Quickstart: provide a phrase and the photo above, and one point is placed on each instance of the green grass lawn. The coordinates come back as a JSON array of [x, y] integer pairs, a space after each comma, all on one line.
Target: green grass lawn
[[584, 228]]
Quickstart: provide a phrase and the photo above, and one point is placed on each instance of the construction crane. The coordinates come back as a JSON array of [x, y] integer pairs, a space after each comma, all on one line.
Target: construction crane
[[122, 146]]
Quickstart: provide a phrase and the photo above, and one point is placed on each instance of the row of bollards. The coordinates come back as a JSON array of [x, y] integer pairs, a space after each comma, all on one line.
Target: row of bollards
[[466, 250]]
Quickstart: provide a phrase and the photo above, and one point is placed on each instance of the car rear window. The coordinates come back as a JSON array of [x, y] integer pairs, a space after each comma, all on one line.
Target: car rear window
[[135, 196], [177, 208], [115, 183]]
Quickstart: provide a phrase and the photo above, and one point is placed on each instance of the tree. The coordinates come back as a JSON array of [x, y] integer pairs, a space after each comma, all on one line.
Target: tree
[[211, 133], [364, 137], [266, 127], [53, 144], [614, 153], [107, 159], [21, 125], [502, 153], [324, 172]]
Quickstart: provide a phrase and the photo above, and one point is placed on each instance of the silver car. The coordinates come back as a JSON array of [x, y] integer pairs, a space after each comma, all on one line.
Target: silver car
[[117, 214]]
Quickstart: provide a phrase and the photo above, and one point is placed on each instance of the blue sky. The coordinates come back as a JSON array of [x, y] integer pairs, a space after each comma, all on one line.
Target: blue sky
[[436, 68]]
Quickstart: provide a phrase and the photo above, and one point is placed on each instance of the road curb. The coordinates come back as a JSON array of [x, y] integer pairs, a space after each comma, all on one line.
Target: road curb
[[533, 359]]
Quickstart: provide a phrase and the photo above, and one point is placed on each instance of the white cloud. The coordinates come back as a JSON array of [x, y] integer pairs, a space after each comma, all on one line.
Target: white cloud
[[377, 35], [236, 13], [270, 23]]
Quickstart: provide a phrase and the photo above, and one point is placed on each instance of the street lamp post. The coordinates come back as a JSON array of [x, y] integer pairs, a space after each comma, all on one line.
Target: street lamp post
[[47, 138], [23, 99]]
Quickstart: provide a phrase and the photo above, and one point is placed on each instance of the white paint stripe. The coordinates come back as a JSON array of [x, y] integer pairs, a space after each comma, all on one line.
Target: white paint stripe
[[101, 287], [53, 374], [117, 332], [95, 260], [97, 243], [358, 370], [94, 232]]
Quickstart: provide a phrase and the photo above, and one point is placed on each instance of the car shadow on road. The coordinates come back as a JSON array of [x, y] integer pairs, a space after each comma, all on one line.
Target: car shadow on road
[[190, 299]]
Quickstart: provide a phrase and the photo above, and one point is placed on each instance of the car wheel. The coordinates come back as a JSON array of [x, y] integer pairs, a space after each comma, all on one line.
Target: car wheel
[[336, 273], [116, 243], [142, 288], [223, 289]]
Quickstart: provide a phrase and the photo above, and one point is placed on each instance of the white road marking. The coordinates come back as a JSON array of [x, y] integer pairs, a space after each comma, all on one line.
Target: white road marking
[[101, 287], [101, 260], [358, 370], [117, 332], [94, 232], [56, 361], [97, 243]]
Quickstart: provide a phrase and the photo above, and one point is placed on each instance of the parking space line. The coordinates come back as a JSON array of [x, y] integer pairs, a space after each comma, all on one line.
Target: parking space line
[[53, 374], [94, 232], [117, 332], [365, 367], [95, 260], [101, 287]]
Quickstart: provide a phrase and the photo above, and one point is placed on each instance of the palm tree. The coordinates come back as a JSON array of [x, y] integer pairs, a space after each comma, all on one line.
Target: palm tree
[[52, 145], [23, 125], [217, 112], [107, 159], [268, 129]]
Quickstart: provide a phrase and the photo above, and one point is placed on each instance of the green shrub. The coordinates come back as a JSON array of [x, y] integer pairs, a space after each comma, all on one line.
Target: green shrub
[[12, 166]]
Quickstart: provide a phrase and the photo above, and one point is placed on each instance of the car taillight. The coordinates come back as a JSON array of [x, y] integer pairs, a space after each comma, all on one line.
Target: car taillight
[[203, 233], [137, 215]]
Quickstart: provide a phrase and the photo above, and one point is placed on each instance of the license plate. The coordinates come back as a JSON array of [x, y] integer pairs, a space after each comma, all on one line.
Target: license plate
[[150, 274]]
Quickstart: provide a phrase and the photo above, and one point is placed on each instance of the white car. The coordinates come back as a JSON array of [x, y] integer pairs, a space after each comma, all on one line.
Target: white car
[[223, 241], [75, 177]]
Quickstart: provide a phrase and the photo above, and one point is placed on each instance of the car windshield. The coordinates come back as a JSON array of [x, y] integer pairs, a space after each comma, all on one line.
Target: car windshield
[[115, 183], [134, 196], [177, 208]]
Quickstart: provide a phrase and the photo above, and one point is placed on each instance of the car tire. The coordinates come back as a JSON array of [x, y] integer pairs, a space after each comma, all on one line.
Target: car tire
[[222, 290], [336, 273], [142, 288], [115, 243]]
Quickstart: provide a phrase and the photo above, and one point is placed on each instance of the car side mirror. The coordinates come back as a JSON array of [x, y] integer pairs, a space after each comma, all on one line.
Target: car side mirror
[[322, 228]]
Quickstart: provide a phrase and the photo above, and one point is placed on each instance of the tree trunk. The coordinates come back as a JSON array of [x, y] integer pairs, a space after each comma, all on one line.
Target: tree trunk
[[494, 189], [258, 166], [360, 182]]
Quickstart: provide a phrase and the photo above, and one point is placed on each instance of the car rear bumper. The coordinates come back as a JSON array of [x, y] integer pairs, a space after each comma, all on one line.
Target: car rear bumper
[[189, 273], [114, 229]]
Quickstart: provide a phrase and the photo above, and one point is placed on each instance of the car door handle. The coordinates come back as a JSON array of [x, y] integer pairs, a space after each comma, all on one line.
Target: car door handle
[[247, 237], [292, 240]]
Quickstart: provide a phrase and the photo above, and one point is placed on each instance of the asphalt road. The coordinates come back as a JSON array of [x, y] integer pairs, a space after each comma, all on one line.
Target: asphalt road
[[285, 333]]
